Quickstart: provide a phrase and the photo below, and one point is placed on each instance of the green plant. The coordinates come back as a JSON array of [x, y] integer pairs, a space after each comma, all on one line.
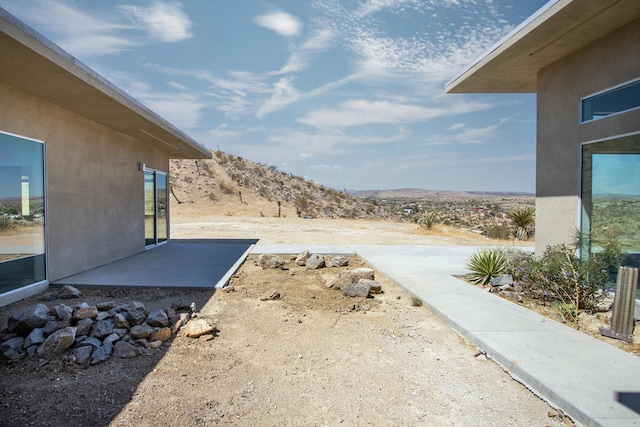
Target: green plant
[[416, 301], [524, 220], [6, 223], [486, 264], [428, 220]]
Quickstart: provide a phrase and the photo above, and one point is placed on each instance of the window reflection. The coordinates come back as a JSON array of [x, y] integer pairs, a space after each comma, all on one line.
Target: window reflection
[[623, 98]]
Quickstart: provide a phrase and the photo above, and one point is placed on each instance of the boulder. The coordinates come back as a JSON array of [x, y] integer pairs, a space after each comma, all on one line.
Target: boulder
[[68, 292], [12, 349], [58, 342], [339, 261], [301, 259], [351, 276], [26, 320], [315, 262], [158, 318], [197, 327], [126, 350], [355, 290], [270, 261]]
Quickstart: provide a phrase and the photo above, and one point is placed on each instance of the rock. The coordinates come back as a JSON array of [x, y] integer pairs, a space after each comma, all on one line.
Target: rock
[[112, 338], [270, 261], [106, 306], [355, 290], [62, 311], [228, 288], [32, 350], [83, 354], [158, 318], [197, 327], [374, 287], [85, 312], [101, 329], [101, 353], [26, 320], [12, 349], [506, 279], [92, 341], [141, 331], [507, 287], [120, 321], [351, 276], [182, 320], [126, 350], [271, 295], [84, 326], [206, 337], [54, 325], [58, 342], [142, 343], [512, 296], [339, 261], [315, 262], [155, 344], [301, 259], [48, 297], [35, 337], [68, 292], [135, 316], [161, 334]]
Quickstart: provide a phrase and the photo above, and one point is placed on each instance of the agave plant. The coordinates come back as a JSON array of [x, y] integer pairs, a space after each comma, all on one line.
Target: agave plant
[[486, 264], [524, 219]]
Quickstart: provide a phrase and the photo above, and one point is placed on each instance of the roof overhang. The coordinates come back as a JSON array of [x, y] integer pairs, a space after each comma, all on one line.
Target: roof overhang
[[556, 30], [35, 65]]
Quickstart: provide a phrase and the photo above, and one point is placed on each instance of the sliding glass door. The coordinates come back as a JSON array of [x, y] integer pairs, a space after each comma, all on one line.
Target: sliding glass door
[[155, 207]]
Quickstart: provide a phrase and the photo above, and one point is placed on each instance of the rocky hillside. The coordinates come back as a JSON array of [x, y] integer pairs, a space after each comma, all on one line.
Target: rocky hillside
[[231, 185]]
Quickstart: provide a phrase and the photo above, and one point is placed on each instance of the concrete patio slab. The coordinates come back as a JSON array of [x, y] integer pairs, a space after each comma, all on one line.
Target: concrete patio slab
[[188, 263]]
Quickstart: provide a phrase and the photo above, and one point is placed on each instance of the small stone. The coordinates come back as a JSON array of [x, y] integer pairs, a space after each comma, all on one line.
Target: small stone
[[101, 353], [101, 329], [301, 259], [161, 334], [112, 338], [135, 316], [35, 337], [351, 276], [61, 311], [158, 318], [106, 306], [53, 325], [271, 295], [120, 321], [92, 341], [498, 281], [270, 261], [197, 327], [206, 337], [228, 289], [512, 296], [68, 292], [182, 320], [84, 327], [339, 261], [155, 344], [315, 262], [58, 342], [374, 287], [83, 312], [126, 350], [83, 354], [355, 290], [141, 331]]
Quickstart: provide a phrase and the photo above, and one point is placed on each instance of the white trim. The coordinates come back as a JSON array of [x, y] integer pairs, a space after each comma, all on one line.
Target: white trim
[[23, 292]]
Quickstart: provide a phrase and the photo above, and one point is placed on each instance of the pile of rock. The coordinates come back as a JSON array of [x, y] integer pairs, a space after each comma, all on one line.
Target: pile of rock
[[94, 333], [506, 287], [359, 282]]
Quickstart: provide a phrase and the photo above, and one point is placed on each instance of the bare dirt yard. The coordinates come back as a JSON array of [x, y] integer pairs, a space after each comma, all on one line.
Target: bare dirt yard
[[310, 357]]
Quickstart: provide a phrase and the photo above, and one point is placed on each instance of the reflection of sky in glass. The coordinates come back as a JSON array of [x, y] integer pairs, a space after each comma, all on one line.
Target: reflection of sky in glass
[[616, 174], [20, 158]]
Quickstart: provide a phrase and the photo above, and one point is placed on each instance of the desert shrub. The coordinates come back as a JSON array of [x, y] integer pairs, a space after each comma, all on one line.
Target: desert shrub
[[6, 223], [500, 232], [486, 264], [416, 301], [213, 197], [227, 189], [428, 220]]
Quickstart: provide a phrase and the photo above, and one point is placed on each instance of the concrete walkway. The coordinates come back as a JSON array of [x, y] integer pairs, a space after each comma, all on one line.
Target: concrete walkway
[[594, 383]]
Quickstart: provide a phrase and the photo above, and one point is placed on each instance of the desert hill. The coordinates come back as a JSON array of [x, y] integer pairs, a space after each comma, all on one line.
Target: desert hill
[[233, 186], [422, 194]]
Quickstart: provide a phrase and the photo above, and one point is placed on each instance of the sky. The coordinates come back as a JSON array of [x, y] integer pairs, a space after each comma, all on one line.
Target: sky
[[346, 93]]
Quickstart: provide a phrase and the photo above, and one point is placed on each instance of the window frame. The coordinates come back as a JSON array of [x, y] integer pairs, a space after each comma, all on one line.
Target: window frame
[[602, 92]]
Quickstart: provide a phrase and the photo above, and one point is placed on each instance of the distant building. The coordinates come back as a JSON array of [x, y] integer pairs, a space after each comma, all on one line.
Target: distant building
[[582, 58], [83, 166]]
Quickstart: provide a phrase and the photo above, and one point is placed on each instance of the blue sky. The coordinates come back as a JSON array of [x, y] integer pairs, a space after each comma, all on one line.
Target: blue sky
[[347, 93]]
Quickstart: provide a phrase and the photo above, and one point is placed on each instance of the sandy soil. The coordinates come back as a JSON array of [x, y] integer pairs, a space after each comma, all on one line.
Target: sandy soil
[[312, 357]]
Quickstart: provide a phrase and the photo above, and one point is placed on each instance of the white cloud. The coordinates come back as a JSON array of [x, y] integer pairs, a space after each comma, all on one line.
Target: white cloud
[[284, 93], [164, 21], [281, 22], [302, 56]]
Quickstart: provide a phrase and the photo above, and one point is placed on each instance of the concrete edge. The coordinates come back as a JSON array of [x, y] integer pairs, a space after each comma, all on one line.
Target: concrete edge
[[225, 279]]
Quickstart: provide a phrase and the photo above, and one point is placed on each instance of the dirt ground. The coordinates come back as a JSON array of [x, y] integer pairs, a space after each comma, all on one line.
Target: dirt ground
[[312, 357]]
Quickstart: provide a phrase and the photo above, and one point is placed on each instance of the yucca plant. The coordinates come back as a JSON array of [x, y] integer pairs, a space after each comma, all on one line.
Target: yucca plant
[[524, 218], [486, 264], [428, 220]]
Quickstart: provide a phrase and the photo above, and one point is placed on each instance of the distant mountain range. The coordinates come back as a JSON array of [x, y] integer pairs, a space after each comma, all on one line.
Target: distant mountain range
[[419, 193]]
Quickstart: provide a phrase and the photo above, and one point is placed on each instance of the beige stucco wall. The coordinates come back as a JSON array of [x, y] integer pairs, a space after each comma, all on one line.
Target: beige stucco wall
[[608, 62], [95, 210]]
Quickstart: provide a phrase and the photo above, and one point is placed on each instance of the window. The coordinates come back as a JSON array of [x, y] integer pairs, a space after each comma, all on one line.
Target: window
[[616, 100], [611, 196], [155, 207], [22, 211]]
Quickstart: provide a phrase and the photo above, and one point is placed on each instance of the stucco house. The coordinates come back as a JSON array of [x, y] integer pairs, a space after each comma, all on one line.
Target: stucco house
[[582, 59], [83, 166]]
